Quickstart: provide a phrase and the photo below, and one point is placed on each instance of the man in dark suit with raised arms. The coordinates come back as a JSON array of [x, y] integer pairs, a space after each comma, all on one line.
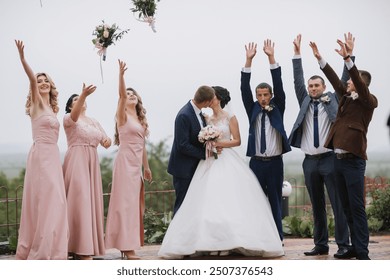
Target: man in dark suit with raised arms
[[267, 140]]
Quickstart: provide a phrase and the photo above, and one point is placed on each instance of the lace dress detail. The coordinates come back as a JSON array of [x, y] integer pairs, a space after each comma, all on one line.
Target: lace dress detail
[[83, 185], [222, 124]]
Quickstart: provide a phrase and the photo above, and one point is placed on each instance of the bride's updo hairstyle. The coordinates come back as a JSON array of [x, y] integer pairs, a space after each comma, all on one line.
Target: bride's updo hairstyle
[[222, 94]]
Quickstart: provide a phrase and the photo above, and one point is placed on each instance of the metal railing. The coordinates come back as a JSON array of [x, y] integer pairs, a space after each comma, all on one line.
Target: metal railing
[[161, 201]]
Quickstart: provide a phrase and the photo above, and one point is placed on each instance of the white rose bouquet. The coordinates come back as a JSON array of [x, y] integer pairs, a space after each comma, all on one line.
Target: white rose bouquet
[[208, 135]]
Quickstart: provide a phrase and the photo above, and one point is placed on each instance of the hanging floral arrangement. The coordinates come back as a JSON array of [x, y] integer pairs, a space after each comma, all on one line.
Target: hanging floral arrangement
[[146, 10], [106, 35]]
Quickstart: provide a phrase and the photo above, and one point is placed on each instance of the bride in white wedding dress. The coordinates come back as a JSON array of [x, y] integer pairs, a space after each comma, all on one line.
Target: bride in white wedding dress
[[225, 209]]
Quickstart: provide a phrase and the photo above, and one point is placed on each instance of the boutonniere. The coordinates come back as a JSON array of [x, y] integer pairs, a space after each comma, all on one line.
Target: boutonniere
[[325, 99], [269, 108], [354, 95]]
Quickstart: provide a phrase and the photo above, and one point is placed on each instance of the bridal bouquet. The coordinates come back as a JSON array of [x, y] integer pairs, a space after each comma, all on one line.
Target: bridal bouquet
[[146, 10], [207, 135], [106, 35]]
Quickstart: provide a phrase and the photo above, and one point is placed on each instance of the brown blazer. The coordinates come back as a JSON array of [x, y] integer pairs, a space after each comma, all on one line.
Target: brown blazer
[[349, 131]]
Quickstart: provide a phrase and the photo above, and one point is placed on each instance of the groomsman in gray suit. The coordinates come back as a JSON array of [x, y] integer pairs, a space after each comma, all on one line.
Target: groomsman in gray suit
[[318, 111]]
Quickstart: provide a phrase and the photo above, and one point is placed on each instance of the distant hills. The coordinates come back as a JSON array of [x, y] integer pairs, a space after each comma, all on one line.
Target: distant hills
[[377, 165]]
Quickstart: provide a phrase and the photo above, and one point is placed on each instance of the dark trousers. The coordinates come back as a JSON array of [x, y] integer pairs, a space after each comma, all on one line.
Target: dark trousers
[[350, 188], [181, 187], [319, 171], [270, 176]]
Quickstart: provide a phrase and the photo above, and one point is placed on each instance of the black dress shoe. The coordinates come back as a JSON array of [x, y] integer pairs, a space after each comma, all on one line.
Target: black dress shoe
[[317, 251], [363, 257], [345, 253]]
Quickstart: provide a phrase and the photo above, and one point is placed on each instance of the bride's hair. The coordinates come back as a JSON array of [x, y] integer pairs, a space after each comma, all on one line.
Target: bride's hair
[[222, 94]]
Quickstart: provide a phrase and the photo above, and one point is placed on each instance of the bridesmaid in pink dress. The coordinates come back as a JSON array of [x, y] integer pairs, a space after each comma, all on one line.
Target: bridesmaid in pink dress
[[124, 229], [83, 182], [43, 231]]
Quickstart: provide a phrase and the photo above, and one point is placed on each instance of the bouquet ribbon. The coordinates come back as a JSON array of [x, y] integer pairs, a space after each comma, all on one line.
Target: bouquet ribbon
[[211, 150]]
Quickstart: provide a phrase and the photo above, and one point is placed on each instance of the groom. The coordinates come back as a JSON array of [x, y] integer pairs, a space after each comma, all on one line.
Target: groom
[[187, 151]]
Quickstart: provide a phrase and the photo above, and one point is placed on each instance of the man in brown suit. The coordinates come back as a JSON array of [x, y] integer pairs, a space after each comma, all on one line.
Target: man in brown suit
[[347, 137]]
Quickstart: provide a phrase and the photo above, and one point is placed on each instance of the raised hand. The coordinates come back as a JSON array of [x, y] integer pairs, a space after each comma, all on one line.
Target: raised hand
[[349, 42], [88, 90], [269, 48], [297, 44], [315, 50], [343, 48], [20, 46], [122, 67], [250, 50]]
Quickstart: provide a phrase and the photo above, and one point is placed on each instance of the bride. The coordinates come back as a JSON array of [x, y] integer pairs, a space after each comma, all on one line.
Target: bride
[[225, 210]]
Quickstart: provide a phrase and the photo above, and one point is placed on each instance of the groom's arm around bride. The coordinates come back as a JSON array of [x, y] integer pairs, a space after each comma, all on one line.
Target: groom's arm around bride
[[187, 151]]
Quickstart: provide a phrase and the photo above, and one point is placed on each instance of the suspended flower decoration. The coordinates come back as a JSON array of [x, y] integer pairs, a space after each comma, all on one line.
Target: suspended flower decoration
[[146, 10], [106, 35]]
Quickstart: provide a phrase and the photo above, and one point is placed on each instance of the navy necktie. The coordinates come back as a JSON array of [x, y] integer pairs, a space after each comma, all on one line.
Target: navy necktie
[[315, 116], [263, 145], [203, 119]]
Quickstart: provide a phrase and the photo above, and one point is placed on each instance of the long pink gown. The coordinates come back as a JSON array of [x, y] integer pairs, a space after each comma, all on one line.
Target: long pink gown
[[43, 232], [83, 185], [124, 229]]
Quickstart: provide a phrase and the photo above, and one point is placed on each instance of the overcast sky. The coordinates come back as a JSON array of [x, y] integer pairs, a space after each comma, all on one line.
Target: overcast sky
[[199, 42]]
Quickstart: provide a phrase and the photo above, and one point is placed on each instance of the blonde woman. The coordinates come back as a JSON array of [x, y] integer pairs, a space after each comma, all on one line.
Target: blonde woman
[[43, 232], [124, 230]]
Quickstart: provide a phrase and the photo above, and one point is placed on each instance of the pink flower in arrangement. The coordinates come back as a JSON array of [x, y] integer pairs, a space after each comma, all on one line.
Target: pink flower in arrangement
[[208, 135]]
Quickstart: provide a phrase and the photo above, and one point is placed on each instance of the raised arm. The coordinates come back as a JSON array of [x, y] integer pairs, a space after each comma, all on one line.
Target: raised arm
[[76, 110], [250, 51], [299, 80], [246, 92], [349, 45], [269, 50], [279, 95], [120, 113], [35, 96], [330, 74]]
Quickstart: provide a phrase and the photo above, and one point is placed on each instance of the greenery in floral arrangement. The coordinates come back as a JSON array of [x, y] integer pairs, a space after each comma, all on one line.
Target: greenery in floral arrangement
[[145, 8], [106, 35]]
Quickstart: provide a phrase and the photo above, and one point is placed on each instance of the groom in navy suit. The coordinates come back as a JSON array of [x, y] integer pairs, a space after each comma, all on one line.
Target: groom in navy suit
[[187, 151], [267, 137]]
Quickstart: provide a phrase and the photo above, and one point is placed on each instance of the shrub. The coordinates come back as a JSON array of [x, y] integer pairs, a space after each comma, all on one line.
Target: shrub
[[379, 208]]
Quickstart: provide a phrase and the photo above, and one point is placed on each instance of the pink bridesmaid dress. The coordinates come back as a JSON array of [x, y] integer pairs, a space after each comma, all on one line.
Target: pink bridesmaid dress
[[43, 232], [124, 229], [83, 184]]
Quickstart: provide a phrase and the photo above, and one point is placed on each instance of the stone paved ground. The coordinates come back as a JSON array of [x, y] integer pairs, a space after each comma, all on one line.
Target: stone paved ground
[[294, 247]]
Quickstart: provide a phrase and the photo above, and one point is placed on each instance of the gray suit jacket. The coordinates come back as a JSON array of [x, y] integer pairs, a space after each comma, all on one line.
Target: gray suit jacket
[[304, 100]]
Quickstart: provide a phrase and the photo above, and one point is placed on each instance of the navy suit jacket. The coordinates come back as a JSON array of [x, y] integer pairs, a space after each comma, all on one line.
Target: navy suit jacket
[[253, 109], [187, 151], [304, 100]]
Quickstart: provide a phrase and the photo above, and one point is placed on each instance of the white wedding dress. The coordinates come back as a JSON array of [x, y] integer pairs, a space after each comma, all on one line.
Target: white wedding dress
[[225, 209]]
